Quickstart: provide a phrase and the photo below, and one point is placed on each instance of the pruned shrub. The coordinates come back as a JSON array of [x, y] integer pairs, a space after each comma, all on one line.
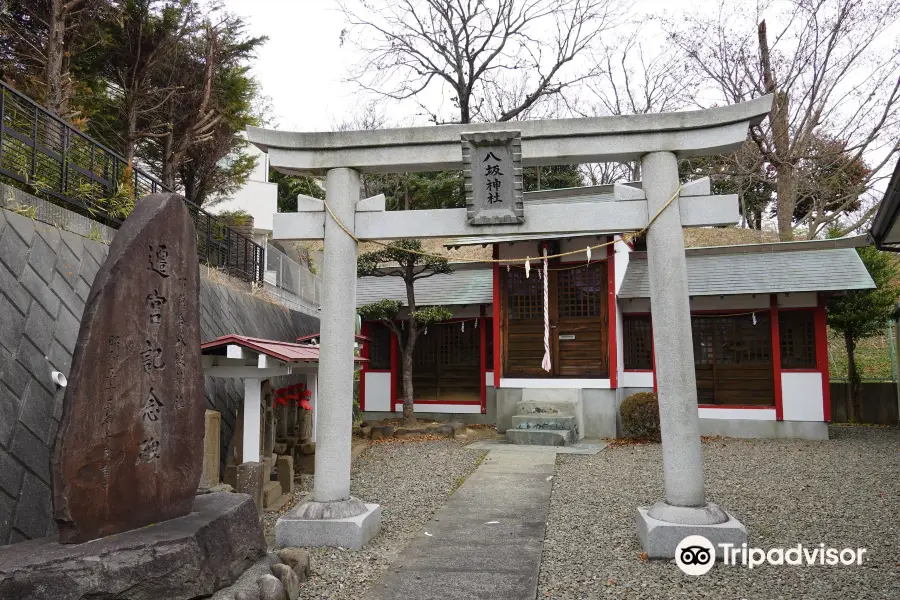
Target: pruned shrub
[[640, 416]]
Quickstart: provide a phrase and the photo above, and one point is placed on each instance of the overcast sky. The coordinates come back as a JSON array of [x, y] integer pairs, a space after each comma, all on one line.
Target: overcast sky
[[302, 67]]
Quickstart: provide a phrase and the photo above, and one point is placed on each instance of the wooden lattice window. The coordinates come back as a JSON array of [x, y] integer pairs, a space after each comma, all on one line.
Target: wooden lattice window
[[580, 292], [638, 339], [798, 339], [740, 340], [427, 347], [702, 329], [379, 347], [525, 296], [446, 344]]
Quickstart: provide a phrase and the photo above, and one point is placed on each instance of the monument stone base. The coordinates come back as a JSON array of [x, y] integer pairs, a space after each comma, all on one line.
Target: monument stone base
[[659, 538], [298, 529], [179, 559]]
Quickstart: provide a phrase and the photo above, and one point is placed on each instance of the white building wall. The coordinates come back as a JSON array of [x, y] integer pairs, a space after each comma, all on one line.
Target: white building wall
[[798, 300], [801, 397], [257, 196], [378, 391], [752, 414]]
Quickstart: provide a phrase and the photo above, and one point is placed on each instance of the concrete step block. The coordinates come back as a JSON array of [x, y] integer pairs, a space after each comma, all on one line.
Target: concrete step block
[[540, 437], [549, 408], [538, 421]]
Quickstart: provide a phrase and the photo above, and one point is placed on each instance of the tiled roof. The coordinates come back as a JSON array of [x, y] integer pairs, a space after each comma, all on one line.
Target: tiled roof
[[463, 286], [826, 270]]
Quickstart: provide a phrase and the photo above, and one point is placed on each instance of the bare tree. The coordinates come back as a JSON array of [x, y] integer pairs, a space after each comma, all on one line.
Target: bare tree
[[630, 80], [494, 56], [835, 75]]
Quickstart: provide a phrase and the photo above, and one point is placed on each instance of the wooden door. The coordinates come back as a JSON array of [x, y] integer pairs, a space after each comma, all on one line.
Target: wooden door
[[578, 321], [733, 359], [522, 307], [581, 317]]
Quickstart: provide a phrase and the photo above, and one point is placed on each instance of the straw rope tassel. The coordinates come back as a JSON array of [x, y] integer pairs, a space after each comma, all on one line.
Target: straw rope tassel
[[545, 364]]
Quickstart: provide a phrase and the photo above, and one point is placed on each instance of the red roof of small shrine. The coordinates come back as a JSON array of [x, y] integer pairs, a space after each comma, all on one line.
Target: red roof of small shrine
[[284, 351]]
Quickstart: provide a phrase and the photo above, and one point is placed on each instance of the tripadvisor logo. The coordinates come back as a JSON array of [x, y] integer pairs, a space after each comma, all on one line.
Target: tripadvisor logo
[[695, 555]]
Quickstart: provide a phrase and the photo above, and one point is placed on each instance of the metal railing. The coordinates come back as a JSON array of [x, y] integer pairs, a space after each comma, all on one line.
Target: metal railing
[[61, 164], [291, 281]]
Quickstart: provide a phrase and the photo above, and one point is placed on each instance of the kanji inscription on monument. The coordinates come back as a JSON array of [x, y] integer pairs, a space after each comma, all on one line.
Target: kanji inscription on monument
[[492, 168], [129, 448]]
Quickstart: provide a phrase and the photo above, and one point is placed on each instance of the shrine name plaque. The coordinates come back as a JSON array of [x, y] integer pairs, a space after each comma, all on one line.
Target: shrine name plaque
[[492, 168]]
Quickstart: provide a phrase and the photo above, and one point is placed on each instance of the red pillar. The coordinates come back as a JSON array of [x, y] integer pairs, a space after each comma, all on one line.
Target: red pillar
[[776, 355], [611, 312], [365, 330], [498, 366], [822, 356]]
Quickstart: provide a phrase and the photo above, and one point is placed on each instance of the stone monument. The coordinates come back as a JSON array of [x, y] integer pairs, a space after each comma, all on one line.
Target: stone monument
[[128, 453], [129, 448]]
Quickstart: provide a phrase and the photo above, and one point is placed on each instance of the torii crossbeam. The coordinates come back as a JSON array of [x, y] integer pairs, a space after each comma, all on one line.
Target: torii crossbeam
[[658, 141]]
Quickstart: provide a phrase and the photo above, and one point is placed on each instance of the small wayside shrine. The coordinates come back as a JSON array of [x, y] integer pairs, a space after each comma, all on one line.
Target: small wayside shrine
[[273, 432], [491, 157]]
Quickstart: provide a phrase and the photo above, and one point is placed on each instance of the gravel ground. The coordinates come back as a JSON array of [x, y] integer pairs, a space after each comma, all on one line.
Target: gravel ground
[[844, 492], [411, 480]]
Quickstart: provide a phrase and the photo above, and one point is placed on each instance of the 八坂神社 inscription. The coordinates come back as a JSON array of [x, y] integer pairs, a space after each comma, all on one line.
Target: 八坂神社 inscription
[[492, 168], [134, 457]]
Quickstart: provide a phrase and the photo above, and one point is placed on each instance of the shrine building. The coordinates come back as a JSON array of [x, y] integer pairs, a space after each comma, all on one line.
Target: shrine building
[[757, 319]]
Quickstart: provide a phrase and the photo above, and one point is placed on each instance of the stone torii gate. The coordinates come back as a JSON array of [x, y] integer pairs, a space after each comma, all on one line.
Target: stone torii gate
[[332, 517]]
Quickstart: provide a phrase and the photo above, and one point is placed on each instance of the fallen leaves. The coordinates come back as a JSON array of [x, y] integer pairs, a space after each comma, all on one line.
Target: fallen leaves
[[624, 442], [410, 438]]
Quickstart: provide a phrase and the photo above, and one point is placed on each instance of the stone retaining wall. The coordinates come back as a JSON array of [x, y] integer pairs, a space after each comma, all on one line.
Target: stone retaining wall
[[45, 277]]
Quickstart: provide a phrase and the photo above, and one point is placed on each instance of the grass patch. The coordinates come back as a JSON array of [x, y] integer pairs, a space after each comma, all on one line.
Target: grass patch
[[873, 357]]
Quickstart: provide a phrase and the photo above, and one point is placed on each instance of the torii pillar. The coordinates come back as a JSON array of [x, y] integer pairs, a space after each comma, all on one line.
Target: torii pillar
[[684, 511], [332, 517]]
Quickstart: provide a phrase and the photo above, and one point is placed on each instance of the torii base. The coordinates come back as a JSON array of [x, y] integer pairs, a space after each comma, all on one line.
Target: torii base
[[660, 538], [303, 527]]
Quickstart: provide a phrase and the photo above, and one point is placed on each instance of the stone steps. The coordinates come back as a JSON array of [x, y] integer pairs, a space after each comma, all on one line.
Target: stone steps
[[538, 421], [540, 437]]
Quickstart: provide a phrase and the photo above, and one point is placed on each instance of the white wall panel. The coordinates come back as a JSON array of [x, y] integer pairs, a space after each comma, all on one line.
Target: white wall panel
[[801, 397], [753, 414], [378, 391]]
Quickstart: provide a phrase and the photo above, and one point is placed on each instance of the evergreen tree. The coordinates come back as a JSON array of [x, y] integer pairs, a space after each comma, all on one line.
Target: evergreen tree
[[860, 314]]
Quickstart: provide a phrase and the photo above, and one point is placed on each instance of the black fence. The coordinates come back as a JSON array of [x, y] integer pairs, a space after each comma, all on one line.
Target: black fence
[[59, 163]]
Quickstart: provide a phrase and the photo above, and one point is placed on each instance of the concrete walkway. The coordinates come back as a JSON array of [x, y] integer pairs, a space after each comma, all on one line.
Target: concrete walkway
[[486, 541]]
